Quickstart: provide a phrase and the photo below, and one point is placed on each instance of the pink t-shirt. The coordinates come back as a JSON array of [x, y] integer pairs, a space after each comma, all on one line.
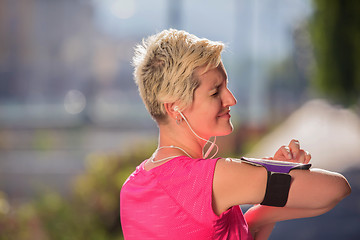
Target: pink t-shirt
[[174, 201]]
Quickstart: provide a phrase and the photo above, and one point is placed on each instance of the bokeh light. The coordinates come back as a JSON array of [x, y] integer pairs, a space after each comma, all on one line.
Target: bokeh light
[[74, 102], [123, 8]]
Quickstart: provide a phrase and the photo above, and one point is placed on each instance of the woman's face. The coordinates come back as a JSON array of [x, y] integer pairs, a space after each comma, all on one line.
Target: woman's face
[[209, 115]]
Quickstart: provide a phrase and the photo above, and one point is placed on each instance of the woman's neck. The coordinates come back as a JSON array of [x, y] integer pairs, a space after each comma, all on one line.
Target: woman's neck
[[182, 138]]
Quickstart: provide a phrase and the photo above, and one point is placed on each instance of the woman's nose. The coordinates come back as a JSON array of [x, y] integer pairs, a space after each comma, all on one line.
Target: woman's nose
[[229, 99]]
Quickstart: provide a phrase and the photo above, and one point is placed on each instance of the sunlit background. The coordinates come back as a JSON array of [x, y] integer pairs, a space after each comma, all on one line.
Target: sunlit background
[[72, 126]]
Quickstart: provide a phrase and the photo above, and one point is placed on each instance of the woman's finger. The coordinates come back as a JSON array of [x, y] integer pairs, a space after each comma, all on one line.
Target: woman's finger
[[282, 154], [307, 157], [286, 152], [294, 146], [301, 157]]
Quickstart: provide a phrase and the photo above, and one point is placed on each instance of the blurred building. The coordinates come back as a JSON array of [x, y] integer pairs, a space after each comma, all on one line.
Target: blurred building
[[66, 86], [57, 68], [72, 58]]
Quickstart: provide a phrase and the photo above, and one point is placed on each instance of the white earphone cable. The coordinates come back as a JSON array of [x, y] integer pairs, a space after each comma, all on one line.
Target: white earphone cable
[[213, 144]]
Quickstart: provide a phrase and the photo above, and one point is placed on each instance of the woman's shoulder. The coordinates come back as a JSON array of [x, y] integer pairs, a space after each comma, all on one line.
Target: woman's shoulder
[[183, 171], [181, 163], [237, 183], [198, 166]]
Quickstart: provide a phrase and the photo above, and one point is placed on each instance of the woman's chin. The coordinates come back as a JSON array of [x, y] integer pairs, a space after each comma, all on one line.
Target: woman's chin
[[226, 131]]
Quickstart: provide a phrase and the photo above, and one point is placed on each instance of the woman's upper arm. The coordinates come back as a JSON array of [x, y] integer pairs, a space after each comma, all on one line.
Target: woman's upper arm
[[312, 192], [237, 183], [316, 189]]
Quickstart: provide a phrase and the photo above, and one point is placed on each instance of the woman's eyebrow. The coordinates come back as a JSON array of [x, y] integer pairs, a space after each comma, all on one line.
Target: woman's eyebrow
[[216, 84], [221, 80]]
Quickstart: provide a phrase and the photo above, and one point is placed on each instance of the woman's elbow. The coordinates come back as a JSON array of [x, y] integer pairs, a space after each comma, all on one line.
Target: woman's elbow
[[343, 189], [338, 191]]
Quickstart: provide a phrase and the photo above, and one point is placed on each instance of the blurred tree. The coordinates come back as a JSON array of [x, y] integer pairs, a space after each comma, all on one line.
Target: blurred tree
[[91, 212], [335, 33]]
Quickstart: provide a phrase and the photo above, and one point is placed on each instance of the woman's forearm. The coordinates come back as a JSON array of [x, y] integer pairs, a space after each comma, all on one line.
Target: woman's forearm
[[259, 230], [259, 216], [263, 233]]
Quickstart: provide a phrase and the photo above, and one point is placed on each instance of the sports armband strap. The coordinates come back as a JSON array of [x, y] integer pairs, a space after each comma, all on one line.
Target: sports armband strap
[[278, 179]]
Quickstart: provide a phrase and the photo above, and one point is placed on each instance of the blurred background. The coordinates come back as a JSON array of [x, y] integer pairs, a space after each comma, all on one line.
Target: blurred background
[[72, 124]]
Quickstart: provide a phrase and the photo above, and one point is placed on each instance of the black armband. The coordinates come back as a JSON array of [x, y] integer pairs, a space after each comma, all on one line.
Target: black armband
[[278, 179]]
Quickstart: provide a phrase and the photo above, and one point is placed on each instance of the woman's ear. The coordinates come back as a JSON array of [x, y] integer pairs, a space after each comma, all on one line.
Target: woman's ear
[[171, 110]]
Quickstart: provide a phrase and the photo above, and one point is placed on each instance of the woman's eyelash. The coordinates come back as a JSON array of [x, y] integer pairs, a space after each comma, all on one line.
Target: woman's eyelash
[[215, 93]]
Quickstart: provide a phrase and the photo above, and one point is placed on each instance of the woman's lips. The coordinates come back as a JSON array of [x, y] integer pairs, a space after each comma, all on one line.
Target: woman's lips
[[225, 115]]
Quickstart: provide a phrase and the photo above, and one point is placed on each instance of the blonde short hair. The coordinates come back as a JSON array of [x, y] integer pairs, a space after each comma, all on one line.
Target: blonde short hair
[[165, 64]]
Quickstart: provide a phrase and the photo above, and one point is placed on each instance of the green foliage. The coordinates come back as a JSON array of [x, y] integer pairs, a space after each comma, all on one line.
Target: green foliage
[[21, 223], [90, 213], [335, 32]]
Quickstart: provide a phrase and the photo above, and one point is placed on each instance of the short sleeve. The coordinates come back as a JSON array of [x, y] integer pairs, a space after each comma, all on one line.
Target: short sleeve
[[189, 182]]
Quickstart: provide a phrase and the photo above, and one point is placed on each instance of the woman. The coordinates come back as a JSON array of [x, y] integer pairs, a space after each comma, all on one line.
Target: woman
[[182, 193]]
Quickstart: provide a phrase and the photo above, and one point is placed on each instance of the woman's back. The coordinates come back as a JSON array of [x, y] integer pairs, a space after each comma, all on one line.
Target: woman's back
[[174, 201]]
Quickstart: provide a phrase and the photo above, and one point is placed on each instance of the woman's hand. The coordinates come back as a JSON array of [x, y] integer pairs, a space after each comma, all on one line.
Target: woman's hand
[[292, 153]]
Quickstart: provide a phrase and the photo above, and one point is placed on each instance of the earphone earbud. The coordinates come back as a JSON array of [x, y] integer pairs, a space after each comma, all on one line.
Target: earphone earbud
[[176, 109]]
